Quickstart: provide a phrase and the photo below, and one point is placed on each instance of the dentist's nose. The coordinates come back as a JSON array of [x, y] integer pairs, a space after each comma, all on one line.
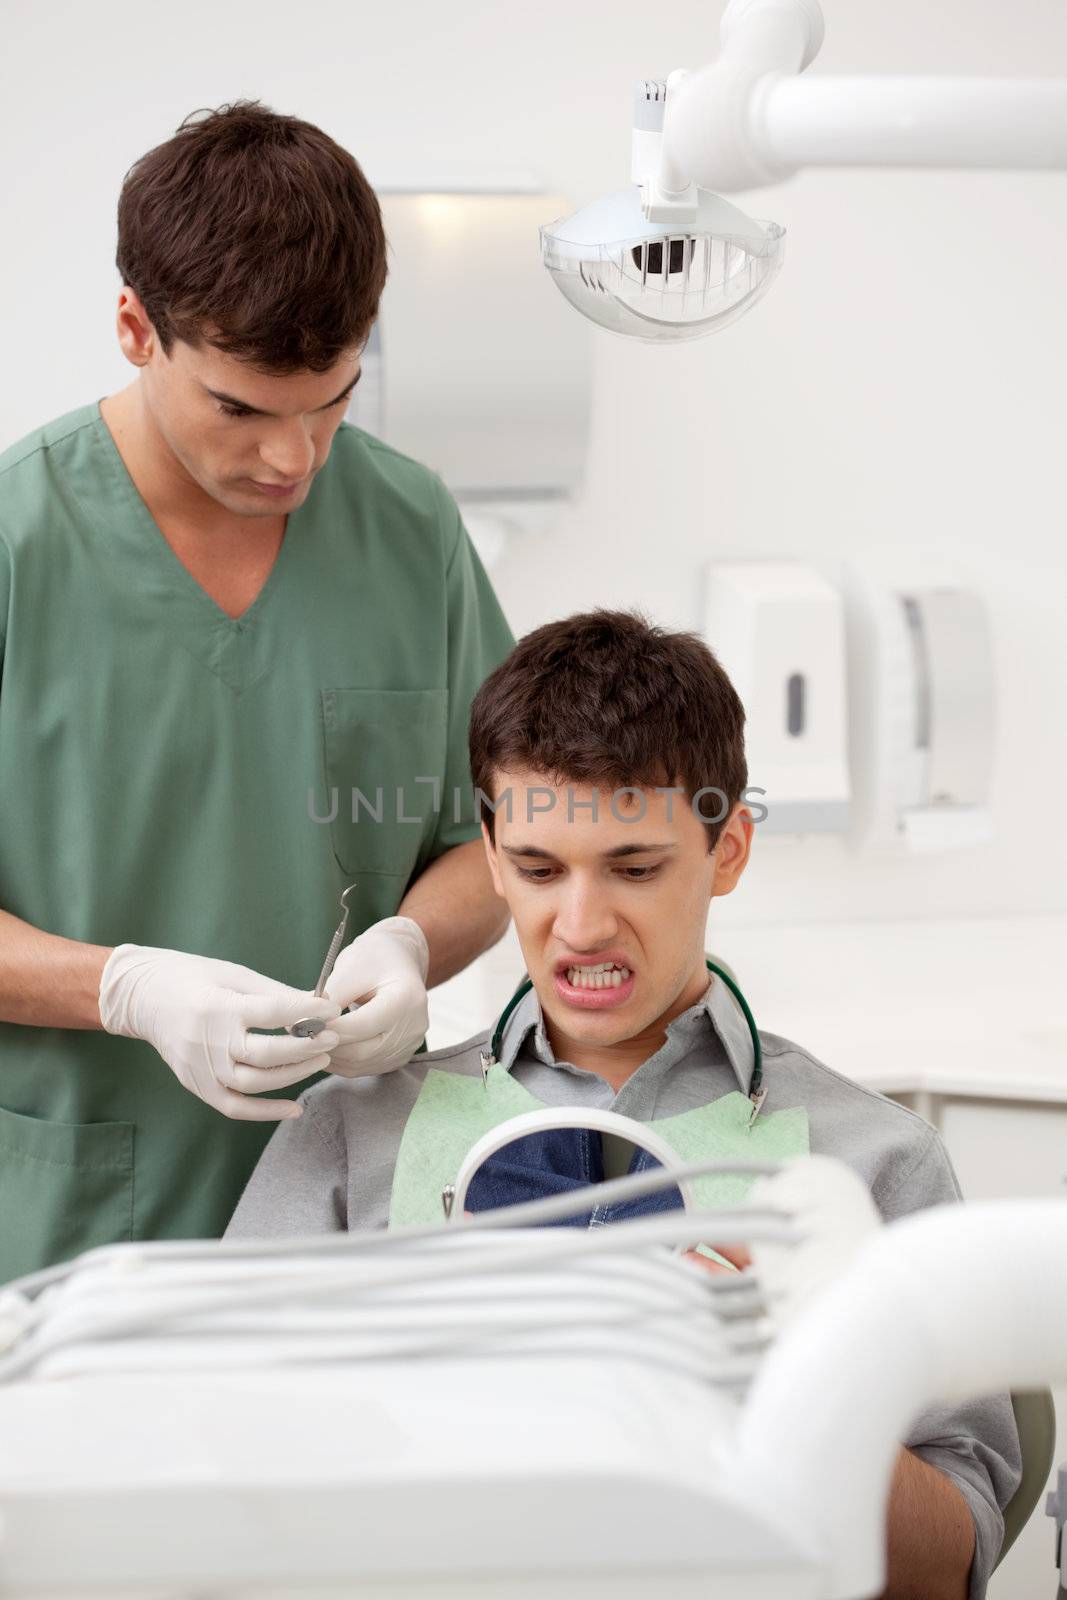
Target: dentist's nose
[[290, 456]]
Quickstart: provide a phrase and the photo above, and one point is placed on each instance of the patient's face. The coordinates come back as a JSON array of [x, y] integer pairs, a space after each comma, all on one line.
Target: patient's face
[[610, 909]]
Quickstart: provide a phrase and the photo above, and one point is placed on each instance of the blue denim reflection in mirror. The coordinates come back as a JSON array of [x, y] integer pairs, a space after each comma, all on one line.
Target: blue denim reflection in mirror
[[557, 1162]]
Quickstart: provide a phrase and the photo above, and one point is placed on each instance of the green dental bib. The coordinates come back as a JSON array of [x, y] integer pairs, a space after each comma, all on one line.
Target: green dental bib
[[454, 1110]]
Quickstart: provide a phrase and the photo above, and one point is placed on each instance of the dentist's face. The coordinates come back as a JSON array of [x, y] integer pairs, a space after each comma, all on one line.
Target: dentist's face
[[251, 441], [611, 908]]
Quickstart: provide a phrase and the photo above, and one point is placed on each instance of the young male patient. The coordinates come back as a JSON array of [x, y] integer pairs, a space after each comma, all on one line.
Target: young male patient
[[612, 756]]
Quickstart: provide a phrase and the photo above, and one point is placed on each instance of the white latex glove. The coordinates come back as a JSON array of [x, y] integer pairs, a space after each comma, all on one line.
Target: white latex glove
[[196, 1012], [388, 964]]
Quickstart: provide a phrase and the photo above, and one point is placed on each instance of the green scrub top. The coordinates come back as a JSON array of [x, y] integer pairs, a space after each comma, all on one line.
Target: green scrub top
[[171, 776]]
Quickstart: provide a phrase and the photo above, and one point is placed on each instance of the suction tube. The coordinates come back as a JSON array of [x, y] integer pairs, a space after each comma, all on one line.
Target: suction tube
[[939, 1307]]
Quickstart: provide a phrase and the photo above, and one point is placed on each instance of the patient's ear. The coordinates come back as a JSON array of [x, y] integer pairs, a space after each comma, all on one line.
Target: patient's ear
[[494, 864], [732, 850]]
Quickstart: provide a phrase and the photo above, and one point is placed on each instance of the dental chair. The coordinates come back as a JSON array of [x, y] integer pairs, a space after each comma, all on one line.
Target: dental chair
[[489, 1410], [1035, 1418]]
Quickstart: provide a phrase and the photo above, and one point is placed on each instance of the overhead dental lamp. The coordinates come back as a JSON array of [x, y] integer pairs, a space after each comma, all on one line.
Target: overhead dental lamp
[[669, 259]]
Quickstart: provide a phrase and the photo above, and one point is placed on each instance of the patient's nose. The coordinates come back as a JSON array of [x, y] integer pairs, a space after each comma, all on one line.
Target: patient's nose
[[585, 921]]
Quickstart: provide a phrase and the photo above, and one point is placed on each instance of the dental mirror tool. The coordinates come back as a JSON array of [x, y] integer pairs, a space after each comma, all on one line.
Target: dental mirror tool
[[308, 1027]]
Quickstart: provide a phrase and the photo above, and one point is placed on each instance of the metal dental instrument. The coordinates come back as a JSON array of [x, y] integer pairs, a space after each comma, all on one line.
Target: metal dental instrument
[[308, 1027]]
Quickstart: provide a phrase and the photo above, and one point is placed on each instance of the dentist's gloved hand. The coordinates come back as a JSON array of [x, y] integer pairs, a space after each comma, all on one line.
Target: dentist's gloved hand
[[196, 1012], [386, 967]]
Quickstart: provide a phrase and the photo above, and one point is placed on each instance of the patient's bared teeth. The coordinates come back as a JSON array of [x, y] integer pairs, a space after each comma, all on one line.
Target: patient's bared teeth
[[603, 975]]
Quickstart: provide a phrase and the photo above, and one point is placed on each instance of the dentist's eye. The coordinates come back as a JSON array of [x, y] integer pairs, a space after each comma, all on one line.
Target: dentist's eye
[[232, 411], [639, 874], [535, 874]]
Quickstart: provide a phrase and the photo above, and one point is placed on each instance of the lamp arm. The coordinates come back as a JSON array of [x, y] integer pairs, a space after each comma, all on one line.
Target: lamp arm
[[913, 122], [749, 118]]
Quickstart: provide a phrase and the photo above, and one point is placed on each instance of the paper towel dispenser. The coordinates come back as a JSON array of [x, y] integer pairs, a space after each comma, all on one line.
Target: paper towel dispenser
[[778, 629], [869, 708]]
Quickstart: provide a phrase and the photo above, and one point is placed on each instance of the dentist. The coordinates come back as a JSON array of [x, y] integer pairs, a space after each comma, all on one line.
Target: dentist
[[238, 643]]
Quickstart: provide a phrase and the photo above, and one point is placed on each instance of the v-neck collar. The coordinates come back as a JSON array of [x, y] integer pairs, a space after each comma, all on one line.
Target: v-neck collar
[[225, 644]]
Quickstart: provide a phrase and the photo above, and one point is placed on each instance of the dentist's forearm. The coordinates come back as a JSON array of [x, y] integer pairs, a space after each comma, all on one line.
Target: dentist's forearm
[[931, 1539], [456, 907], [47, 981]]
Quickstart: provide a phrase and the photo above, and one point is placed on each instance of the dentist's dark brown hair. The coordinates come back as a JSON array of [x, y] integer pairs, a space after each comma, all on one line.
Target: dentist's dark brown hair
[[256, 233]]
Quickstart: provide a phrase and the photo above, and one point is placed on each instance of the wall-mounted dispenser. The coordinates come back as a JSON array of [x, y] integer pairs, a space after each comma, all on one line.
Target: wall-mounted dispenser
[[474, 366], [921, 712], [869, 709], [778, 629]]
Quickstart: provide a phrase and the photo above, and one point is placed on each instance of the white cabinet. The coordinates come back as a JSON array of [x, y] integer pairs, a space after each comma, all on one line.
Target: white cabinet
[[1005, 1151]]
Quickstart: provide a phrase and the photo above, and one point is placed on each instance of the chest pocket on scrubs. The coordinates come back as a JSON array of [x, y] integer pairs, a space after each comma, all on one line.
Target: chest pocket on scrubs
[[64, 1187], [379, 744]]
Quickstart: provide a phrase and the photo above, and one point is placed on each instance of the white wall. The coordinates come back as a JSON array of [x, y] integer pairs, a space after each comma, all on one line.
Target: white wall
[[902, 386]]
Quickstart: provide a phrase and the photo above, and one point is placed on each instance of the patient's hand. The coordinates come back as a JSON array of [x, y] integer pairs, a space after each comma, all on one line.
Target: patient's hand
[[733, 1252]]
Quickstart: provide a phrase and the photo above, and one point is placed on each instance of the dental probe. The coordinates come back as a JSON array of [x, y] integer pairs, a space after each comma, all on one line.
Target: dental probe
[[308, 1027]]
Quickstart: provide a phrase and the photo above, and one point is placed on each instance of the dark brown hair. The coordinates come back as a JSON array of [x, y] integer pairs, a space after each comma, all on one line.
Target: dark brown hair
[[256, 233], [606, 698]]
